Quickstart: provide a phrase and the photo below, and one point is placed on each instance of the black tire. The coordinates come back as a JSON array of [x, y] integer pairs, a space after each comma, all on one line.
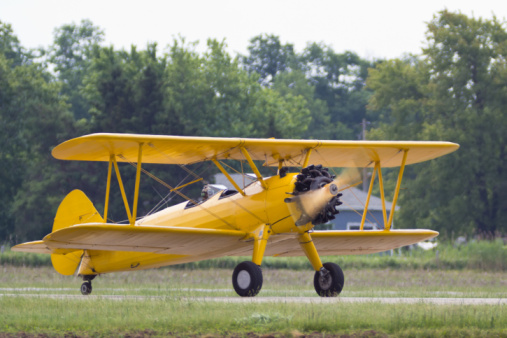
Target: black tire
[[247, 279], [86, 288], [331, 284]]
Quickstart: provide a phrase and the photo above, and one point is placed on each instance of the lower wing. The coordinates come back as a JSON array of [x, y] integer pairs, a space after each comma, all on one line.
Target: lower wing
[[199, 242], [155, 239], [352, 242]]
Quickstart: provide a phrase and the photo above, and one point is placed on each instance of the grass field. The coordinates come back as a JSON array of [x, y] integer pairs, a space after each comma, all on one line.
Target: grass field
[[175, 305]]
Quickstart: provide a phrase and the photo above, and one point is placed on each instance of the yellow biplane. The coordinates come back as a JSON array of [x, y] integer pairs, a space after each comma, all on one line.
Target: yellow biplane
[[272, 216]]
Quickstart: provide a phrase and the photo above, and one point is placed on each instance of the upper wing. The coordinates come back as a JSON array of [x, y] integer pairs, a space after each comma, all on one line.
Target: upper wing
[[162, 240], [186, 150]]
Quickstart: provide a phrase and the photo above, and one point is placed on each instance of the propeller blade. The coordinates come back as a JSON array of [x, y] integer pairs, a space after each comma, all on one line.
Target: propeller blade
[[349, 177], [305, 207]]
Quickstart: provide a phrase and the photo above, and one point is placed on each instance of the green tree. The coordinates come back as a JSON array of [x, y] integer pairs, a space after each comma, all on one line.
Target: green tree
[[456, 92], [11, 48], [268, 57], [334, 83], [71, 54], [338, 80], [398, 105], [110, 88], [296, 84], [34, 119], [280, 117]]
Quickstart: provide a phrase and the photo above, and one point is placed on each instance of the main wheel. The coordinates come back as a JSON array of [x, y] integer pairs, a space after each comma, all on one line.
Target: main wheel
[[86, 288], [329, 283], [247, 279]]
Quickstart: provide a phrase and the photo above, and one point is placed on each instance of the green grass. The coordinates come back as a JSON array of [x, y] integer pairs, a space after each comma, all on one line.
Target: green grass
[[177, 307], [285, 283], [103, 317], [171, 298]]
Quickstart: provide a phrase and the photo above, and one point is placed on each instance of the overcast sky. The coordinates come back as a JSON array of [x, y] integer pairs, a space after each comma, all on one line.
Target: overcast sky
[[373, 29]]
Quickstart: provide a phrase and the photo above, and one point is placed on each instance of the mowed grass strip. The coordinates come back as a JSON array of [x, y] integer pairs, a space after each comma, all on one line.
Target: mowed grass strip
[[283, 282], [174, 311], [185, 316]]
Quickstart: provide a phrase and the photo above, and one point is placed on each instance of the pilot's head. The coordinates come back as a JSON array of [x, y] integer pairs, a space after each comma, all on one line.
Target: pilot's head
[[206, 192]]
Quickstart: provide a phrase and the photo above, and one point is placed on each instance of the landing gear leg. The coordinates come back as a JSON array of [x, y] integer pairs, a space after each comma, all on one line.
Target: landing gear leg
[[86, 287], [247, 276], [329, 279]]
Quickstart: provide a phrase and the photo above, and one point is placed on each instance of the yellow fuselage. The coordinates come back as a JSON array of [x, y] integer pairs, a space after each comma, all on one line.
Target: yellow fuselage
[[247, 213]]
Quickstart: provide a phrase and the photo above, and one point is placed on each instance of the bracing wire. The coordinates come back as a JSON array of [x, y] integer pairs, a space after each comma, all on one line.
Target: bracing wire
[[369, 213], [176, 191]]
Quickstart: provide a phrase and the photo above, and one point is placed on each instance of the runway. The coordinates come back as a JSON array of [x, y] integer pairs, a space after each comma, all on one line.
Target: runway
[[287, 300]]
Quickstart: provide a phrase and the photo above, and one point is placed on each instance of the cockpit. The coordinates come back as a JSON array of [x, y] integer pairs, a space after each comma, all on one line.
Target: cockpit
[[210, 190]]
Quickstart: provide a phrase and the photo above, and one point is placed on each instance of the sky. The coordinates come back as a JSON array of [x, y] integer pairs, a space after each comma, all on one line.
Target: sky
[[372, 29]]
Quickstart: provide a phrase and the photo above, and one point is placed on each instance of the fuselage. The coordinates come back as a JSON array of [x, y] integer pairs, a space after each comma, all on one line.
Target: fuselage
[[231, 210], [225, 210]]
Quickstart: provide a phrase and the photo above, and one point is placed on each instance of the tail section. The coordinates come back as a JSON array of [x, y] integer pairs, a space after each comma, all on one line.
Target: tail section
[[75, 208]]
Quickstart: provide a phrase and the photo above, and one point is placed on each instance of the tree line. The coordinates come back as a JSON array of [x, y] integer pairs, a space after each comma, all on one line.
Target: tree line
[[454, 91]]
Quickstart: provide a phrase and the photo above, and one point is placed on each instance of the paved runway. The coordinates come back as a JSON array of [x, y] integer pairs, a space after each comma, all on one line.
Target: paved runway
[[302, 300]]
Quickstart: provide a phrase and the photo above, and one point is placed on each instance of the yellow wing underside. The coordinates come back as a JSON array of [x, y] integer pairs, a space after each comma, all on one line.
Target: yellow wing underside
[[186, 150], [198, 242]]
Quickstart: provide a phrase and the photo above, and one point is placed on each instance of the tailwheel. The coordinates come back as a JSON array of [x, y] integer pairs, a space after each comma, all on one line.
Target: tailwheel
[[329, 280], [247, 279], [86, 287]]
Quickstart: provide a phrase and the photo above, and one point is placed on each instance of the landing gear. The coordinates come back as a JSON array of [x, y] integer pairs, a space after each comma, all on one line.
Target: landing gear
[[86, 287], [329, 280], [247, 279]]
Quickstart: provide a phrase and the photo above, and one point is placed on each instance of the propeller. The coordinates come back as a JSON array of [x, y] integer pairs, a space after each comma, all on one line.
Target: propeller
[[317, 195]]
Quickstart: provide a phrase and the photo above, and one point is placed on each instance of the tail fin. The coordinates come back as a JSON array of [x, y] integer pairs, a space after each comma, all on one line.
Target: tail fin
[[76, 208]]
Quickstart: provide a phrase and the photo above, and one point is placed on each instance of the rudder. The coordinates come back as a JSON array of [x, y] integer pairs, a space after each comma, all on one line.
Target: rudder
[[76, 208]]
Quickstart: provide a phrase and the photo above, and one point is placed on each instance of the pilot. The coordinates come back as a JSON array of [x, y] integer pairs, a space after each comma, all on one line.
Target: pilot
[[206, 192]]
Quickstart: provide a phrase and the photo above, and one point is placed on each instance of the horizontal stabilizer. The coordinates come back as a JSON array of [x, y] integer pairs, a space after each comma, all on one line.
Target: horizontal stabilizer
[[34, 247]]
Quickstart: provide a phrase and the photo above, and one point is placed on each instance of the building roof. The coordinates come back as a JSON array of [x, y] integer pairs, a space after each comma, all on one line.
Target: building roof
[[355, 199]]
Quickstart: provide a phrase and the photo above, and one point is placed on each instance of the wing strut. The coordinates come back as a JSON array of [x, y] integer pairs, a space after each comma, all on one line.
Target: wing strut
[[138, 180], [122, 189], [307, 158], [369, 195], [397, 189], [254, 167], [377, 169], [108, 187], [221, 168], [112, 162]]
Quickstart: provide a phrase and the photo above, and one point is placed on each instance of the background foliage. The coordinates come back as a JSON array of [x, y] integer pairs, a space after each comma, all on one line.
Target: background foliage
[[456, 90]]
